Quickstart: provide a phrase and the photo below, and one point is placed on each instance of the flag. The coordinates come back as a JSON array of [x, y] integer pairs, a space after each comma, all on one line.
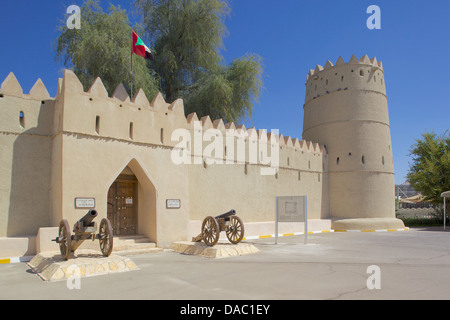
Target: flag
[[140, 48]]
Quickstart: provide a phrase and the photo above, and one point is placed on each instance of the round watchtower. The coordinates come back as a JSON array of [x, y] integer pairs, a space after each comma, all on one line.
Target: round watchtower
[[346, 110]]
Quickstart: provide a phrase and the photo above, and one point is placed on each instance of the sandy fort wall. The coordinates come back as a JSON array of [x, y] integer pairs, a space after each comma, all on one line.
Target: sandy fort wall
[[26, 138], [77, 143]]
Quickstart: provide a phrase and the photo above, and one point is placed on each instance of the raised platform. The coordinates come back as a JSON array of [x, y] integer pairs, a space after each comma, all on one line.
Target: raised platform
[[367, 224], [50, 266], [220, 250]]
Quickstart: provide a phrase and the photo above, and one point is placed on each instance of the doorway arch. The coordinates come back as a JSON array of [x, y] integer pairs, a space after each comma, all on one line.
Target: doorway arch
[[132, 202], [123, 204]]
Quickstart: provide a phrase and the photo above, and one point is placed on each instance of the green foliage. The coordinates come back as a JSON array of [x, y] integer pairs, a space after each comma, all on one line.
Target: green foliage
[[102, 48], [229, 92], [188, 36], [429, 172], [423, 222]]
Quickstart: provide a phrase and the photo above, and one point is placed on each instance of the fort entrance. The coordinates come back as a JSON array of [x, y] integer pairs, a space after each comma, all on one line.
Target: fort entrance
[[122, 204]]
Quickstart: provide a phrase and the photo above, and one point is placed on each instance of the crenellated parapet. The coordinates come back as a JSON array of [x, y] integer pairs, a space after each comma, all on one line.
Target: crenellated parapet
[[363, 73], [21, 112], [11, 87]]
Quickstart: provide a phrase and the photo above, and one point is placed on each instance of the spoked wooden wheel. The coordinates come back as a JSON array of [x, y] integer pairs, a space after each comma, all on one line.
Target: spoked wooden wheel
[[106, 237], [235, 230], [210, 231], [64, 239]]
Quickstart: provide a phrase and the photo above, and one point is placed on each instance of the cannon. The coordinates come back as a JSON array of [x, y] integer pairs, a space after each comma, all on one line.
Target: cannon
[[212, 226], [85, 229]]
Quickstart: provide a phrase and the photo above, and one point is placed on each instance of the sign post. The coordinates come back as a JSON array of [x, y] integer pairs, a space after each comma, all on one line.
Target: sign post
[[292, 209], [445, 195]]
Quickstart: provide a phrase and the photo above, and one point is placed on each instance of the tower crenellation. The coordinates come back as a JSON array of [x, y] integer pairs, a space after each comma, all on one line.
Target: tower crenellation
[[357, 73]]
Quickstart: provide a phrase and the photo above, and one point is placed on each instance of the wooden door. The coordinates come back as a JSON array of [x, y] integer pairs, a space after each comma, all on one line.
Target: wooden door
[[122, 204]]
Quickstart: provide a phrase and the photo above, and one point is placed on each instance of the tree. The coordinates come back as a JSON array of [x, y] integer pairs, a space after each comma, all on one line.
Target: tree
[[229, 92], [102, 48], [429, 172], [187, 36]]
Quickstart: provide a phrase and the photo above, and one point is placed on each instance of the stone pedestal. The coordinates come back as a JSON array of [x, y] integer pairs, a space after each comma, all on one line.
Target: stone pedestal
[[50, 266], [220, 250], [368, 224]]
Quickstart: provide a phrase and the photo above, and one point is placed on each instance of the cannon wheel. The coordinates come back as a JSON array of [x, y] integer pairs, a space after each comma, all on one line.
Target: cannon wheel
[[235, 231], [106, 237], [65, 239], [210, 231]]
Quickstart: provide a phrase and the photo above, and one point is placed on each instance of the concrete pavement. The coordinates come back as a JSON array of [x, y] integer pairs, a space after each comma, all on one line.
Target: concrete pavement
[[413, 264]]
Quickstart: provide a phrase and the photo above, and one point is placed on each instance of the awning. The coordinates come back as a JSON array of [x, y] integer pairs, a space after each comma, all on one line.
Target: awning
[[414, 199]]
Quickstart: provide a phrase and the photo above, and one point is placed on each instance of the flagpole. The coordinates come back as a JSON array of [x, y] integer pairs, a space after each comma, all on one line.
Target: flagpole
[[131, 57]]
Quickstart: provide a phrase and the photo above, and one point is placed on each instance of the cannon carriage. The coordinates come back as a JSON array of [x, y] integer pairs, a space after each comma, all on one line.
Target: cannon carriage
[[212, 226], [85, 229]]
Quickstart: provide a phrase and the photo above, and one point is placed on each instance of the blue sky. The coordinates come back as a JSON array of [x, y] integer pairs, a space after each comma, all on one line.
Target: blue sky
[[292, 36]]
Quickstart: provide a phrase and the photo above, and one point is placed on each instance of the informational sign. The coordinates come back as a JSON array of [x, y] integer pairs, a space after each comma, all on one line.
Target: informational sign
[[173, 203], [291, 209], [84, 203]]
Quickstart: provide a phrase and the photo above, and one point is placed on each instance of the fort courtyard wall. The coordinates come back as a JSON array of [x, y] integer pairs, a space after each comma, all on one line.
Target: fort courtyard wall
[[77, 144], [80, 144]]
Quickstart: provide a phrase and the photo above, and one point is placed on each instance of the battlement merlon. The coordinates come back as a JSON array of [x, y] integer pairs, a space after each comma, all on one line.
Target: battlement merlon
[[364, 60], [11, 86]]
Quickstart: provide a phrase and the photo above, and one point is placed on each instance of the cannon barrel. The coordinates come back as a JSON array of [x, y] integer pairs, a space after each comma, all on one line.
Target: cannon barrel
[[226, 214], [89, 217]]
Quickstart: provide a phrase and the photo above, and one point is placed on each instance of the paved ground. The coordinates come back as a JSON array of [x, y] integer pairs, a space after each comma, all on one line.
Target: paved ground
[[412, 264]]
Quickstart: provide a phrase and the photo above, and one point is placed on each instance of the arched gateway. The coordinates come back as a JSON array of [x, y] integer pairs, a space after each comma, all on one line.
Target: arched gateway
[[132, 203]]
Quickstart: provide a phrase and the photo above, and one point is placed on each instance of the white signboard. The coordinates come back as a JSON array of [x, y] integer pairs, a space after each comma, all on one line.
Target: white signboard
[[84, 203], [173, 203], [291, 209]]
